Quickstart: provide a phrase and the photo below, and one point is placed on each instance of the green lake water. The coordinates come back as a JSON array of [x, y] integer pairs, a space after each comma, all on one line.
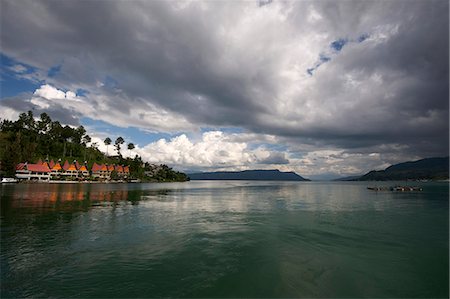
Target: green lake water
[[224, 239]]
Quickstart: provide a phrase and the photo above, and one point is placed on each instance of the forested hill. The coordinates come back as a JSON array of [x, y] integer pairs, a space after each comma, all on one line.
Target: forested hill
[[258, 175], [430, 169], [30, 139]]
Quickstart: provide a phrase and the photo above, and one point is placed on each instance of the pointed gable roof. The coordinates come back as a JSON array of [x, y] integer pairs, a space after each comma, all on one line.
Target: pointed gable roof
[[20, 166], [95, 167], [51, 164], [83, 168], [66, 165], [57, 167], [111, 167], [119, 168], [126, 169], [77, 165], [98, 167], [72, 167]]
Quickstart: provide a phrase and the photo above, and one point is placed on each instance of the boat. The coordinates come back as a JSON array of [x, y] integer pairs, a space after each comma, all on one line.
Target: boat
[[9, 180]]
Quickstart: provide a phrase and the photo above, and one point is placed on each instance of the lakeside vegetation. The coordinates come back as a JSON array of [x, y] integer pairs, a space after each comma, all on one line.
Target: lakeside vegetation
[[434, 169], [28, 140]]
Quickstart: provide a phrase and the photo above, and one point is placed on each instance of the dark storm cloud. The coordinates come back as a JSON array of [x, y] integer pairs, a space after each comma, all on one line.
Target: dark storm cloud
[[21, 104], [245, 65]]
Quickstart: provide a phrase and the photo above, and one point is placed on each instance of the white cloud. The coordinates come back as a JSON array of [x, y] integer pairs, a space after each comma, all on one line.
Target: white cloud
[[8, 113], [50, 93], [145, 115], [47, 96], [214, 150]]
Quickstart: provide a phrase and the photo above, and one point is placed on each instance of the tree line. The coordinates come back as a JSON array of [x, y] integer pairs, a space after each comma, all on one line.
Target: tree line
[[28, 139]]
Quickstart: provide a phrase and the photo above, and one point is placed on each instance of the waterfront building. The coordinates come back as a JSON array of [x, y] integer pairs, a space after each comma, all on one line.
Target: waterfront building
[[46, 170], [119, 170], [126, 171], [69, 169], [26, 171], [100, 171], [82, 169], [56, 169], [110, 169]]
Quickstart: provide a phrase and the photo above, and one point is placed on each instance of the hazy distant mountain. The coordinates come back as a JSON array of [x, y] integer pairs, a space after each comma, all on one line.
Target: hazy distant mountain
[[430, 168], [349, 178], [255, 175]]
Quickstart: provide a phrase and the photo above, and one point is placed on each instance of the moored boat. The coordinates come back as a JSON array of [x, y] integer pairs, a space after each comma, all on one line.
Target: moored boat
[[9, 180]]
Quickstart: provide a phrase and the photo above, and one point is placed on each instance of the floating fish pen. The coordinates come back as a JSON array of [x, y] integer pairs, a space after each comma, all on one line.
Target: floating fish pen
[[396, 188]]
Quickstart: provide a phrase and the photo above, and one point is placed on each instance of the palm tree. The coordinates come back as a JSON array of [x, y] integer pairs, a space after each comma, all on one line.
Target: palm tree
[[86, 139], [130, 147], [107, 143], [119, 141]]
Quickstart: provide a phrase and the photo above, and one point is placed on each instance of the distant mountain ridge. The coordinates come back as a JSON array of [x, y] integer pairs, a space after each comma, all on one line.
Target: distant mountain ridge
[[349, 178], [251, 175], [424, 169]]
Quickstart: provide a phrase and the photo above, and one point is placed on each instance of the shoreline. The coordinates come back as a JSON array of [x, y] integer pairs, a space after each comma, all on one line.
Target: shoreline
[[88, 182], [75, 182]]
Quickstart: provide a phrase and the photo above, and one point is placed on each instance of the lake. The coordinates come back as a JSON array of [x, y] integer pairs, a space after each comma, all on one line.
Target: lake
[[224, 239]]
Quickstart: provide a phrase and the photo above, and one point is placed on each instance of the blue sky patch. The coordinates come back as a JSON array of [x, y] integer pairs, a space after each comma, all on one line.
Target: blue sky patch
[[12, 86], [12, 82], [338, 44], [110, 82], [131, 134], [363, 37], [53, 71], [81, 92]]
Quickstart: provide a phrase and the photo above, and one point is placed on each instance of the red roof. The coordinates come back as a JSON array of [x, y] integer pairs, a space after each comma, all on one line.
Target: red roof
[[111, 167], [51, 164], [66, 165], [119, 168], [77, 165], [96, 167], [126, 169], [38, 168], [20, 166]]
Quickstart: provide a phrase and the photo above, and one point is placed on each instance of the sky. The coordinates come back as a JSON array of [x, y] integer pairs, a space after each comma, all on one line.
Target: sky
[[324, 88]]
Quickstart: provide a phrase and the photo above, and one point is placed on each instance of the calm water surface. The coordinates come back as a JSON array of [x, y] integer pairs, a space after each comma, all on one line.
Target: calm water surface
[[223, 239]]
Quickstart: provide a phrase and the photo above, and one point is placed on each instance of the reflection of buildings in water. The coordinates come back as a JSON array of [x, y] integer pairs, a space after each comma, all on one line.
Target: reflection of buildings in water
[[31, 195], [53, 195], [116, 195]]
